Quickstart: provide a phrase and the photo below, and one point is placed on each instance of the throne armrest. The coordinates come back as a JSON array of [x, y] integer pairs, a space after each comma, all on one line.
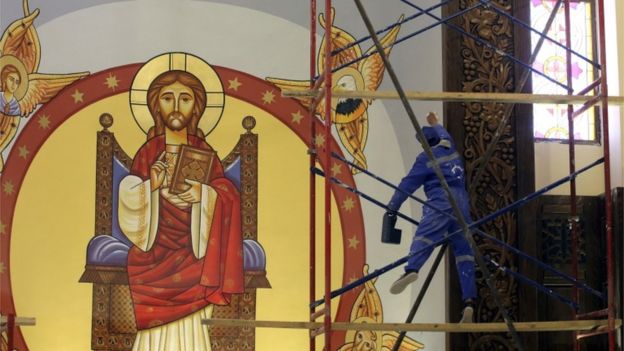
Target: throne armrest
[[107, 257]]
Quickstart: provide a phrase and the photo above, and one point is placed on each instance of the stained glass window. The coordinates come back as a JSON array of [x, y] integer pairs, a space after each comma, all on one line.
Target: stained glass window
[[550, 122]]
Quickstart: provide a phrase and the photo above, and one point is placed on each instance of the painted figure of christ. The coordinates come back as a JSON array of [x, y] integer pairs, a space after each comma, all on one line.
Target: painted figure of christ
[[187, 253]]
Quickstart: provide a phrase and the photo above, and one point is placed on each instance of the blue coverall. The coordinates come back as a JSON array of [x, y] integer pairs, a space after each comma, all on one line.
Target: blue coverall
[[434, 225]]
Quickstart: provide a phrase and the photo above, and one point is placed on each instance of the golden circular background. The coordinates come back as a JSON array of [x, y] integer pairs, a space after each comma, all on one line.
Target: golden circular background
[[215, 98], [12, 60]]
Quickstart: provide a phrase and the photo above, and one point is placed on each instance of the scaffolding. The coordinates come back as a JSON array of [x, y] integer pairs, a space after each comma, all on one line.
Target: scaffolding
[[321, 90], [584, 325]]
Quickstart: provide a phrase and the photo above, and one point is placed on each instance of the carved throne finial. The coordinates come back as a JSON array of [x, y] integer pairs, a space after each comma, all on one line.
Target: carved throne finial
[[106, 120]]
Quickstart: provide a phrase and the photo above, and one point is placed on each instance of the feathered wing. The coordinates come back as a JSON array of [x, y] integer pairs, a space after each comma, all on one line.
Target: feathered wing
[[353, 136], [8, 129], [408, 344], [296, 85], [43, 87], [372, 67], [21, 40], [368, 303], [338, 39], [346, 347]]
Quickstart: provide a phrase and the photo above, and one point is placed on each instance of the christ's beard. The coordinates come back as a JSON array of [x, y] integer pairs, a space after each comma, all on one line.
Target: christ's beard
[[176, 121]]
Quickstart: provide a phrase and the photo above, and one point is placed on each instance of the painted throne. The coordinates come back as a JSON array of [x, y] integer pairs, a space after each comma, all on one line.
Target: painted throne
[[113, 323]]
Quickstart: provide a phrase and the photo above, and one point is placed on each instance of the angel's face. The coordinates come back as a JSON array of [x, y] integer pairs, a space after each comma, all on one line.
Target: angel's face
[[11, 82], [175, 103], [348, 106], [347, 110]]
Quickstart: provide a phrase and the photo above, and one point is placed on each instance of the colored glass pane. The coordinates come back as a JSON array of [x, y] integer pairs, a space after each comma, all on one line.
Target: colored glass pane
[[550, 122]]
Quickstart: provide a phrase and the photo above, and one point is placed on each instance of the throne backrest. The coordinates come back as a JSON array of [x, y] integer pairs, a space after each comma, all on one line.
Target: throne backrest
[[113, 325]]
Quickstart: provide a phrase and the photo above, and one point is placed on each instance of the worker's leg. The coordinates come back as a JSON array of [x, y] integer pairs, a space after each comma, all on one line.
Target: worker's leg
[[429, 231], [465, 262]]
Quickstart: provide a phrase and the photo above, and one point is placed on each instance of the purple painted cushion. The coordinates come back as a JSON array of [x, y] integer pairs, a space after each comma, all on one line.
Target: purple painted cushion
[[107, 250], [254, 258]]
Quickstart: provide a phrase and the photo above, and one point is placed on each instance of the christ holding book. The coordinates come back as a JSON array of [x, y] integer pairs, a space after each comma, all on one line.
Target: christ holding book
[[187, 253]]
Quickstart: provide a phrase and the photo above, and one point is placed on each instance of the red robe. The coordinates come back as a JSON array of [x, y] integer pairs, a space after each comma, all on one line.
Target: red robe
[[167, 282]]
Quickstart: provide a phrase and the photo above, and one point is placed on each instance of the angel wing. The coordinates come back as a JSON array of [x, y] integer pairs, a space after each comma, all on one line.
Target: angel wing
[[21, 40], [338, 39], [408, 344], [353, 136], [354, 133], [43, 87], [368, 303], [289, 84], [372, 67]]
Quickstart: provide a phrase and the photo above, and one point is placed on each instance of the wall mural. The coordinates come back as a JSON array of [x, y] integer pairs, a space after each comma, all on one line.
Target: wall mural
[[349, 115], [162, 259], [22, 87]]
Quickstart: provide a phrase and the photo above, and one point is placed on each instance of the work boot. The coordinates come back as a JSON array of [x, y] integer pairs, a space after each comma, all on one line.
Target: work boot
[[400, 284]]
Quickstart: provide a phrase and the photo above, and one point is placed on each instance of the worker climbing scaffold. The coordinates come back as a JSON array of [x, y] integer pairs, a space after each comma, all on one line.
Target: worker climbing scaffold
[[435, 225]]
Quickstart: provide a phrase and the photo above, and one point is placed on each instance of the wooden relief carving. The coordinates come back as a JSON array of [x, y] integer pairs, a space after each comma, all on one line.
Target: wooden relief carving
[[487, 69]]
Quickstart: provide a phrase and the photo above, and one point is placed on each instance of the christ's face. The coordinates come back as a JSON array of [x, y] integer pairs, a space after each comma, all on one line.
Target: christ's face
[[11, 83], [176, 102]]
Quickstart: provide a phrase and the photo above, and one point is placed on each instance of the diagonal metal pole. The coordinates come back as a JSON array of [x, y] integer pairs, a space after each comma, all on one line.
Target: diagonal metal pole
[[472, 225], [390, 27], [436, 167], [533, 283], [541, 34], [413, 34], [489, 45], [509, 107], [421, 295]]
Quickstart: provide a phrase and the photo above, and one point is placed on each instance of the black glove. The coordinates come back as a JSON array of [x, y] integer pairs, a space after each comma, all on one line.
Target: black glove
[[389, 234]]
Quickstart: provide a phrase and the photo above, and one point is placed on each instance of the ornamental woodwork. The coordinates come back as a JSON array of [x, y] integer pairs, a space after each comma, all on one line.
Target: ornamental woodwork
[[484, 68]]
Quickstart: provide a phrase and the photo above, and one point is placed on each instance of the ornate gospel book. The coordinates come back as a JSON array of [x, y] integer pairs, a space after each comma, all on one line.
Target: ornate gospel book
[[192, 164]]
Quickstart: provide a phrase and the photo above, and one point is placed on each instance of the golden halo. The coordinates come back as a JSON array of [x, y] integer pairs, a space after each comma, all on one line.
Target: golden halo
[[215, 98], [348, 71], [12, 60]]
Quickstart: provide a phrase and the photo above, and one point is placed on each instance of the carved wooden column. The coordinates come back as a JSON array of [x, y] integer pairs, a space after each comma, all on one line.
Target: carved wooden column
[[473, 67]]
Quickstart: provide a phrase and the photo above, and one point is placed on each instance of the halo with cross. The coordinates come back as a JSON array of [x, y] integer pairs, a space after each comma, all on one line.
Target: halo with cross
[[215, 98]]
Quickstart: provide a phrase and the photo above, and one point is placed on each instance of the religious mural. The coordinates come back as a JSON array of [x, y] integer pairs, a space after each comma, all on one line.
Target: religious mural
[[22, 87], [368, 309], [354, 70], [179, 165]]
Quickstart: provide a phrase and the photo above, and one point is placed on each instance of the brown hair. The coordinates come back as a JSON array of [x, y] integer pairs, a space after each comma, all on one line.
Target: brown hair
[[168, 78], [6, 70]]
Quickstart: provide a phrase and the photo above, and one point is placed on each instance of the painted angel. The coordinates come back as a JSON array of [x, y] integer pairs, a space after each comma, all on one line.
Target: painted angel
[[349, 114], [367, 308], [22, 88]]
